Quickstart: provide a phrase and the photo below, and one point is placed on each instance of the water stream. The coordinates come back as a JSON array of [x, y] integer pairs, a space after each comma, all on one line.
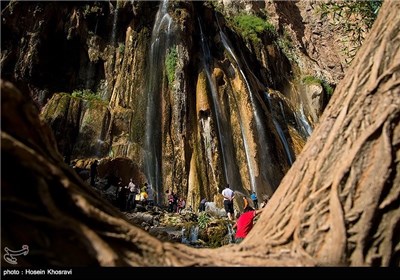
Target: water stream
[[224, 132], [153, 141]]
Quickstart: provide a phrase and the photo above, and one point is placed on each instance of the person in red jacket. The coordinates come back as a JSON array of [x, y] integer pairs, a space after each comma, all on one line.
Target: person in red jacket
[[245, 223]]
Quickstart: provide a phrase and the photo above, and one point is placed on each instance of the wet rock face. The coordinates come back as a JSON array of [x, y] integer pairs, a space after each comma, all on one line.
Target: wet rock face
[[88, 68]]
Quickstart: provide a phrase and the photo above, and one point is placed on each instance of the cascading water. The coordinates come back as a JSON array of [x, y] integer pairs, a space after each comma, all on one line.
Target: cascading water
[[91, 73], [153, 140], [193, 235], [282, 111], [231, 171], [302, 122], [256, 148], [208, 143], [260, 129], [279, 129], [231, 233], [283, 141], [245, 140], [114, 27]]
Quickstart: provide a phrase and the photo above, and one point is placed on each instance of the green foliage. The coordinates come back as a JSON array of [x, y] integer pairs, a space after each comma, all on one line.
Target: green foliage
[[121, 48], [203, 220], [366, 11], [86, 94], [327, 87], [286, 45], [356, 17], [309, 80], [171, 60], [251, 26]]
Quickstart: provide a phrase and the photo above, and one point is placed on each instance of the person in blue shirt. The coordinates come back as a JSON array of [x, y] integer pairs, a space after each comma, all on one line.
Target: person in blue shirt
[[253, 197]]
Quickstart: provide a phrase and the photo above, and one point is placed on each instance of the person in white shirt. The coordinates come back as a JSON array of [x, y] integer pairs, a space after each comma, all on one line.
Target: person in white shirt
[[131, 185], [228, 195], [131, 203]]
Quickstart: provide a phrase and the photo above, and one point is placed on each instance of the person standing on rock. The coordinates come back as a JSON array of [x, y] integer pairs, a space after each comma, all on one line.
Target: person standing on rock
[[228, 195], [202, 206], [254, 198], [93, 172], [131, 203], [245, 202], [171, 198]]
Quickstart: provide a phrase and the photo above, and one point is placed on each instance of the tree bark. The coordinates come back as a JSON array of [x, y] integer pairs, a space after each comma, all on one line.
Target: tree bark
[[337, 205]]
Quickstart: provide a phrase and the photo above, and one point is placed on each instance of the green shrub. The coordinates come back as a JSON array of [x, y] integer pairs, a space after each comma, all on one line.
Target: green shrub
[[309, 80], [251, 26], [356, 17], [171, 60], [86, 94], [285, 43], [203, 220], [121, 48]]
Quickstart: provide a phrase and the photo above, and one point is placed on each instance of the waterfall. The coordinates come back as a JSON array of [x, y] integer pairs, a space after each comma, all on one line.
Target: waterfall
[[114, 27], [283, 140], [153, 137], [282, 112], [260, 130], [245, 140], [206, 133], [208, 144], [302, 122], [98, 146], [223, 129], [91, 69], [231, 233], [279, 129], [193, 235], [184, 240]]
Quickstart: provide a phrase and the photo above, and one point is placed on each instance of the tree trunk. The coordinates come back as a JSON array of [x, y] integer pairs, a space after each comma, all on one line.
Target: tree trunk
[[338, 204]]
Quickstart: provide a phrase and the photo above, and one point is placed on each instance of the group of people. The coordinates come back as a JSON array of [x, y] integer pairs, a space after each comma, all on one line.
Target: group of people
[[175, 203], [128, 197], [245, 221]]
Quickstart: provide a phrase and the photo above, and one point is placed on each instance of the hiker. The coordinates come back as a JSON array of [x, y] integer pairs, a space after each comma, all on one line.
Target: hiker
[[245, 223], [254, 198], [229, 195], [130, 202], [171, 197]]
